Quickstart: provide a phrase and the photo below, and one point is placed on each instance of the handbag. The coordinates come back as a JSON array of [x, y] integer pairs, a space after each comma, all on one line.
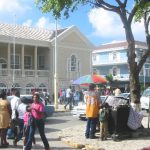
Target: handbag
[[134, 119]]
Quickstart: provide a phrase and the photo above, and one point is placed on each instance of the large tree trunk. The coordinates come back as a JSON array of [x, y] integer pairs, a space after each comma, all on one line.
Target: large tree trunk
[[133, 69]]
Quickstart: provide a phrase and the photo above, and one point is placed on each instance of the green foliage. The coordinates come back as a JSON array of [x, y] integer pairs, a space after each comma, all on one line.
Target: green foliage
[[109, 78], [143, 7], [58, 6]]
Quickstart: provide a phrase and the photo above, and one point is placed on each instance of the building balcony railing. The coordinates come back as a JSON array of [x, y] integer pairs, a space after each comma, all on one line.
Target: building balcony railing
[[121, 77], [24, 73], [100, 63]]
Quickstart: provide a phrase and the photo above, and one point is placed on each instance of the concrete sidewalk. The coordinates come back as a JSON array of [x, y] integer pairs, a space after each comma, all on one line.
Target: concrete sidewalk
[[75, 138]]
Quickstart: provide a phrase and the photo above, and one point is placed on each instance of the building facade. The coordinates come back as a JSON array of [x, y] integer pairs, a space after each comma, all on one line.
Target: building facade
[[27, 57], [112, 59]]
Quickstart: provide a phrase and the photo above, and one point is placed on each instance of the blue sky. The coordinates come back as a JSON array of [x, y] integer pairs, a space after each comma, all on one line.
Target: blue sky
[[97, 25]]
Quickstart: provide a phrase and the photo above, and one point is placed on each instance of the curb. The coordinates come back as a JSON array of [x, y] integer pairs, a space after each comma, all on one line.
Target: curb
[[78, 145], [72, 144]]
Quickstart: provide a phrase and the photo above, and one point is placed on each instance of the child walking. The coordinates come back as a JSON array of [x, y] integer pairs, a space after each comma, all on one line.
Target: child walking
[[28, 125], [103, 119]]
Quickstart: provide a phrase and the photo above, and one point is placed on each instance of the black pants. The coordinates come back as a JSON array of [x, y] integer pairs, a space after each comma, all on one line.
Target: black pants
[[69, 102]]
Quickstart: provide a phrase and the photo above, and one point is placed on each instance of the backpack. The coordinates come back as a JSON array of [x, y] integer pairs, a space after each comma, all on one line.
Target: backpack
[[102, 116], [30, 120]]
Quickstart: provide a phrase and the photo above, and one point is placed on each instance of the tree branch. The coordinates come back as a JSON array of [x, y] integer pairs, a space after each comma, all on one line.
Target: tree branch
[[106, 6], [143, 59], [119, 2], [132, 14]]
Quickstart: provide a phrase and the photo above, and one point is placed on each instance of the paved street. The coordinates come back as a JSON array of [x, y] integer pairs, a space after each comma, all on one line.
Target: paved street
[[53, 126]]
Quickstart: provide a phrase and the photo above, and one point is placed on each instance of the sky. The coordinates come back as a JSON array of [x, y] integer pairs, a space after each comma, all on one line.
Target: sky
[[98, 25]]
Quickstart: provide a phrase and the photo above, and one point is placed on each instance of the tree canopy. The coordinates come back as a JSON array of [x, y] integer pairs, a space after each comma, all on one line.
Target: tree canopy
[[139, 10]]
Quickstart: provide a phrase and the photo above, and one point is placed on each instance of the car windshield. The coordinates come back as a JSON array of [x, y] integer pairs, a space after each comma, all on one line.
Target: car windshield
[[125, 95], [146, 92]]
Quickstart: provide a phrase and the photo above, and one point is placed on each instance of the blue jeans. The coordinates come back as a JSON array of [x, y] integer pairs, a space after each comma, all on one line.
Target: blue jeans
[[90, 127], [40, 125], [10, 133], [29, 137]]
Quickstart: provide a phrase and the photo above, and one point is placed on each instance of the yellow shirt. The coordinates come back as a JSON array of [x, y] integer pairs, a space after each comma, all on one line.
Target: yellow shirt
[[92, 105], [4, 114]]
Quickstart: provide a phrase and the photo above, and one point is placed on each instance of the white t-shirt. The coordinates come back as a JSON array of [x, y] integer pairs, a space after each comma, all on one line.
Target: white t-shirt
[[15, 101], [68, 92], [21, 110]]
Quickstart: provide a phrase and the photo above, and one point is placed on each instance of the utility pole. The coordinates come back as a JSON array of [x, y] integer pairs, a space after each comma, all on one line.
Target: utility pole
[[55, 73]]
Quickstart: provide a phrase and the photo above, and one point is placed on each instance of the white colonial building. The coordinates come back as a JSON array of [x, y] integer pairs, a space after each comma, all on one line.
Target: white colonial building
[[27, 57]]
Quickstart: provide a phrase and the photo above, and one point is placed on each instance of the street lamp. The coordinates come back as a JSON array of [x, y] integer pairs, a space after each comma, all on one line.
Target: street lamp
[[55, 68], [14, 51]]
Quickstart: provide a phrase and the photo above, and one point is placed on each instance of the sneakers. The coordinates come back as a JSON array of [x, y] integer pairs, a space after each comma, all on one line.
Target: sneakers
[[24, 147]]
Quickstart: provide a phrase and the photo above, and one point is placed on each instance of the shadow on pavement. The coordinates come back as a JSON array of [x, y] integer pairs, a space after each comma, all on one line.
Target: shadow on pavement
[[49, 139], [55, 121], [62, 148]]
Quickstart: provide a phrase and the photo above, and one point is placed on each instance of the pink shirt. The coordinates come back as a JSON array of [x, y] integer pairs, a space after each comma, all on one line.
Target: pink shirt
[[25, 118], [40, 108]]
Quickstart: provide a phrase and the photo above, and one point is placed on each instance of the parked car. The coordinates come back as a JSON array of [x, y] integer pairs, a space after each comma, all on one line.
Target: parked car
[[145, 99], [49, 109], [80, 109]]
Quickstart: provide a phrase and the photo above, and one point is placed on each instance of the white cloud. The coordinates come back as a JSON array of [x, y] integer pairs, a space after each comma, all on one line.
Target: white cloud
[[108, 25], [105, 23], [13, 6], [42, 22], [27, 23], [138, 30]]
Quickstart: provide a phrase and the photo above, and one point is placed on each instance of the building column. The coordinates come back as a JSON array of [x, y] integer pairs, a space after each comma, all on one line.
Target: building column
[[35, 61], [8, 58], [22, 61]]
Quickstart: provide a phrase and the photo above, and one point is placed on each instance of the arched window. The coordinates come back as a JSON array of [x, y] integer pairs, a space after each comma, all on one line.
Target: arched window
[[3, 86], [73, 64], [3, 63], [42, 87], [114, 71], [114, 56], [29, 87]]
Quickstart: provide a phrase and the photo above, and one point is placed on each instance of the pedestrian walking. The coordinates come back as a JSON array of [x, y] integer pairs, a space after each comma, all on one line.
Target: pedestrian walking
[[5, 115], [37, 109], [69, 95], [92, 111]]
